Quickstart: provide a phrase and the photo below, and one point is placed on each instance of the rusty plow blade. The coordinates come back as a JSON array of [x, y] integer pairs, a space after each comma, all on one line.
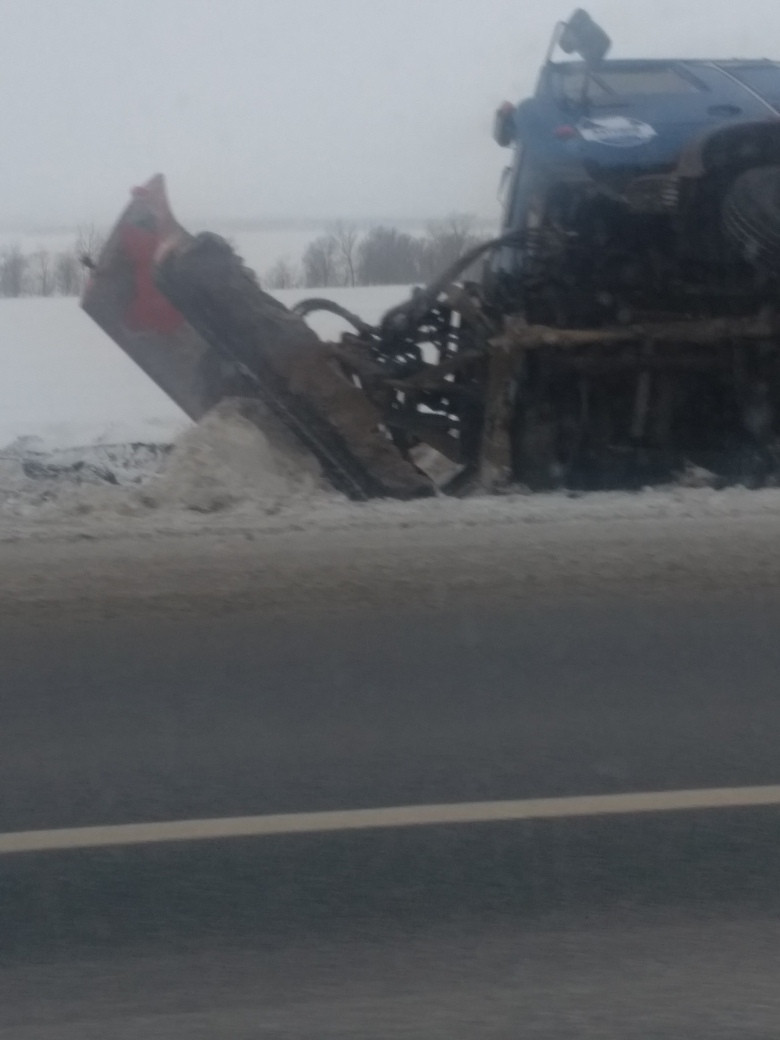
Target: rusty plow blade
[[122, 298], [189, 313]]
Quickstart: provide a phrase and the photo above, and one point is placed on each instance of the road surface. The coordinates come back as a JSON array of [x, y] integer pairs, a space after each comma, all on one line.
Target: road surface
[[701, 980], [232, 675]]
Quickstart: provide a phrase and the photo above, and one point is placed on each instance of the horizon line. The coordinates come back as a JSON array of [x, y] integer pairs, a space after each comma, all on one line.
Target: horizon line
[[252, 223]]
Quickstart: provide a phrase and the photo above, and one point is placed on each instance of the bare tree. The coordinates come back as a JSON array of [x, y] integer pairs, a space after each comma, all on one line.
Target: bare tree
[[40, 270], [43, 273], [13, 271], [283, 275], [68, 274], [321, 263], [447, 241], [388, 257], [89, 243], [347, 238]]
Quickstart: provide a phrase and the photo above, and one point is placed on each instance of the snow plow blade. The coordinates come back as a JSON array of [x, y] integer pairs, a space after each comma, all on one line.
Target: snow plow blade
[[197, 322], [122, 298]]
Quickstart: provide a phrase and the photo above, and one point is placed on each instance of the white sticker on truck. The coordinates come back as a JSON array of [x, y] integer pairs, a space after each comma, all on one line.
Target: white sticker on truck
[[616, 131]]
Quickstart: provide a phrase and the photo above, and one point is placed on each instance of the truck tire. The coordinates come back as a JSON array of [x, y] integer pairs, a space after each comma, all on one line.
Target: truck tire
[[751, 216]]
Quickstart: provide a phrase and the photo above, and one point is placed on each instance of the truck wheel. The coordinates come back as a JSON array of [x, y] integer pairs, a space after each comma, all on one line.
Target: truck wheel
[[751, 216]]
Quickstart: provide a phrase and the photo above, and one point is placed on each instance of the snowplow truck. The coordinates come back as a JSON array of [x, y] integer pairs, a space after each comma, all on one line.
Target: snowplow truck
[[623, 329]]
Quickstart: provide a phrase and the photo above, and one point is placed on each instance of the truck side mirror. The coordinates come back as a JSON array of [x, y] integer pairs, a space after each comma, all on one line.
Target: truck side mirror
[[581, 35], [504, 128]]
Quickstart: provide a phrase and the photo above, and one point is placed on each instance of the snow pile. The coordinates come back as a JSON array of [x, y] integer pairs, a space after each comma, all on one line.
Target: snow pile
[[27, 459], [41, 485], [226, 461], [32, 477]]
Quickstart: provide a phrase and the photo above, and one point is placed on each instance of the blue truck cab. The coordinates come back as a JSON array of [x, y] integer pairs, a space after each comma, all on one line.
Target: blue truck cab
[[649, 150]]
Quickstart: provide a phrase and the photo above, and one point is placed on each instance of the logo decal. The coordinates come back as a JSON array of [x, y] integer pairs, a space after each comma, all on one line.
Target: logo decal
[[616, 131]]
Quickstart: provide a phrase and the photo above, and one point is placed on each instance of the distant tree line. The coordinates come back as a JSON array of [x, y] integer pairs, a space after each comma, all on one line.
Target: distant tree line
[[43, 272], [343, 256], [383, 255]]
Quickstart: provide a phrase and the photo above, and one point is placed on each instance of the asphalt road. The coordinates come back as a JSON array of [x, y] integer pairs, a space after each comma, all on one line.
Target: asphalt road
[[133, 719], [603, 980], [659, 925]]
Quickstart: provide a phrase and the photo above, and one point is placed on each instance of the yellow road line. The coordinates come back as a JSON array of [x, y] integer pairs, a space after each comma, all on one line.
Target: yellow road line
[[400, 816]]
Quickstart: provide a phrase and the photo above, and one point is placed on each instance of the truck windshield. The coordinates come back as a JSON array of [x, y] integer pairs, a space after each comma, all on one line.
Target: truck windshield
[[764, 79], [611, 86]]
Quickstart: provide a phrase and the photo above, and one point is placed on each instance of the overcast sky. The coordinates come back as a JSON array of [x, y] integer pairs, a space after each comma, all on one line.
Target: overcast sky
[[295, 108]]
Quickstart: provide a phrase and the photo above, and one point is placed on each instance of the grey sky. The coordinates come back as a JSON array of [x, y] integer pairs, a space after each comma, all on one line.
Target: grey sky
[[286, 108]]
